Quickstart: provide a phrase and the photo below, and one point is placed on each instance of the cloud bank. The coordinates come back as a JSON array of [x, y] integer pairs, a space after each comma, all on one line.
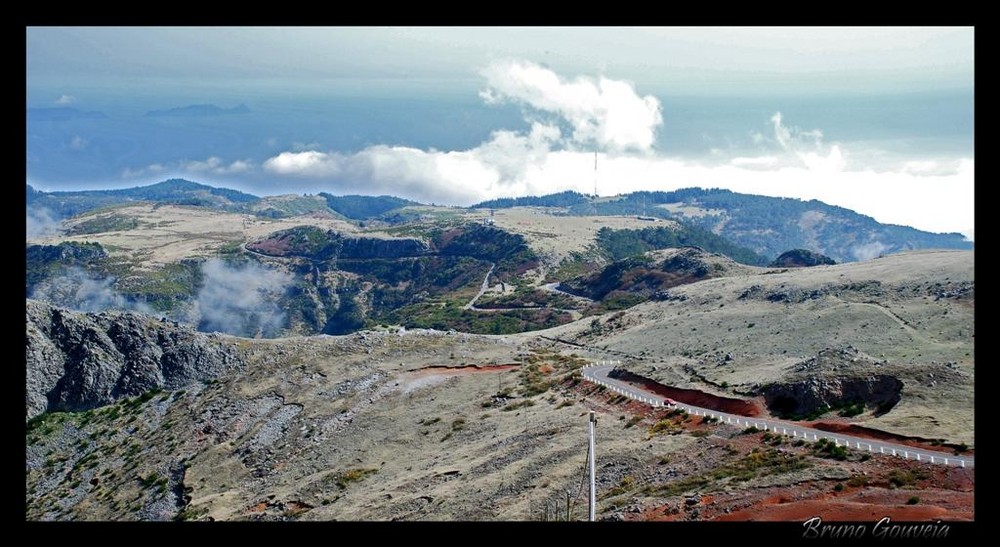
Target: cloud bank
[[567, 119], [603, 111], [241, 300], [41, 222]]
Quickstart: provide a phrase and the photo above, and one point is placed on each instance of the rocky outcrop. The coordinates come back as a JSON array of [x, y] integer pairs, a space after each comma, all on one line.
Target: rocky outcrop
[[77, 361], [879, 392], [801, 258]]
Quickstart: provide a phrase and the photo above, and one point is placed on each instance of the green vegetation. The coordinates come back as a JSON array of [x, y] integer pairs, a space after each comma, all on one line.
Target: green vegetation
[[857, 481], [756, 464], [913, 500], [106, 223], [165, 287], [562, 199], [899, 478], [45, 261], [173, 191], [620, 244], [829, 449], [852, 409], [363, 207]]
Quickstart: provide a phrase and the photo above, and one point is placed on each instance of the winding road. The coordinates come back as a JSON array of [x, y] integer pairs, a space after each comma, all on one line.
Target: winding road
[[482, 290], [598, 374]]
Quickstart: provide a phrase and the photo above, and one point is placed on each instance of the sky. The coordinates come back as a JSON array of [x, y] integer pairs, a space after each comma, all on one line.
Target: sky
[[878, 120]]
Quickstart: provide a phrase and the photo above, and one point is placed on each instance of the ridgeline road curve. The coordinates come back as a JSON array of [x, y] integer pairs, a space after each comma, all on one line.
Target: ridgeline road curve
[[598, 374]]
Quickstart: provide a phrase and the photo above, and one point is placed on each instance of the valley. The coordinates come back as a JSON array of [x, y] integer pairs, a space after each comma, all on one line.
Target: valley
[[425, 363]]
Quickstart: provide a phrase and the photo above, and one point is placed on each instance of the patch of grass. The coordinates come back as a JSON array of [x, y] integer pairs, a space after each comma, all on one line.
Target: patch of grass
[[632, 421], [344, 478], [899, 478], [458, 424], [839, 487], [852, 409], [627, 484], [517, 405], [858, 480], [663, 426], [913, 500], [564, 403]]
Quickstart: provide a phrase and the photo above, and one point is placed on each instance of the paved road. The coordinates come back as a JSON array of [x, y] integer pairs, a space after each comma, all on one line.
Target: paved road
[[598, 374], [486, 285], [554, 287]]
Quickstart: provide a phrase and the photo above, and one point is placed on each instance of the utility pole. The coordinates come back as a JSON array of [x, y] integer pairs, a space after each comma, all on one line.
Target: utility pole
[[567, 505], [593, 487]]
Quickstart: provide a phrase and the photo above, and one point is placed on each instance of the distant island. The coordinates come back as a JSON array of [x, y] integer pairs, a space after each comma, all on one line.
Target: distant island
[[198, 111]]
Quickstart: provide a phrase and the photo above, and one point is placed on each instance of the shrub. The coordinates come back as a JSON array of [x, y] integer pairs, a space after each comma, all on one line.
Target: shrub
[[913, 500]]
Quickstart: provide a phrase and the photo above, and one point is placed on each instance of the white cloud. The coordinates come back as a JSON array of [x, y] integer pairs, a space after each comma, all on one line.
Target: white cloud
[[215, 165], [305, 164], [544, 159], [41, 223], [151, 169], [78, 142], [762, 162], [603, 111], [64, 100], [808, 147]]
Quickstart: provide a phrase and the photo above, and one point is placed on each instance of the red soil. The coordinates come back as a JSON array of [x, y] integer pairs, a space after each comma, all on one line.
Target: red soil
[[869, 433], [694, 397]]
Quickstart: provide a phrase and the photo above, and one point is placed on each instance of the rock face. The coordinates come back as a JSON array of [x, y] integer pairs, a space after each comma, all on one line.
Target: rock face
[[880, 392], [76, 361]]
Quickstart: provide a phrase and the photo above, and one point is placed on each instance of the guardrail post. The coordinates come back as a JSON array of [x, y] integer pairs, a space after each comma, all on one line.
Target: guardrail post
[[932, 459], [918, 456], [946, 461], [869, 448], [906, 454], [963, 462]]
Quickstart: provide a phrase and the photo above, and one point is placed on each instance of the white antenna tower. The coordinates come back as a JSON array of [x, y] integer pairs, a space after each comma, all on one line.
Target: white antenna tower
[[595, 174]]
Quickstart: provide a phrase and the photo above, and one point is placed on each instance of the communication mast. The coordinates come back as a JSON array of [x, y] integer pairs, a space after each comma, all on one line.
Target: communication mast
[[595, 174]]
